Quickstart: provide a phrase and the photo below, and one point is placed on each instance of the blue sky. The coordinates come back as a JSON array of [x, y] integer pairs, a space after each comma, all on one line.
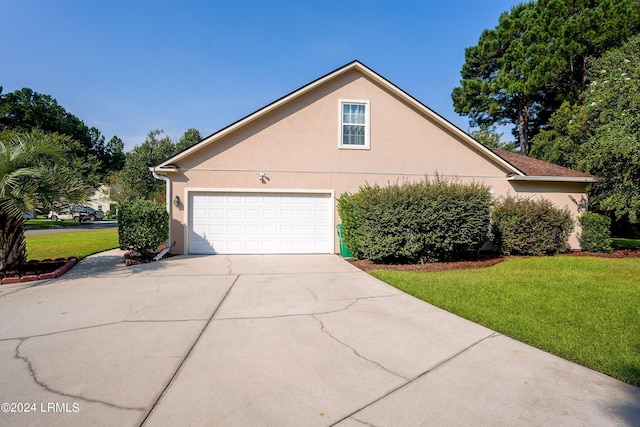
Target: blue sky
[[127, 67]]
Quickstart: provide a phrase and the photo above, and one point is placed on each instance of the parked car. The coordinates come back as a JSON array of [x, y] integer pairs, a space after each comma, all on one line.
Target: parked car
[[77, 213], [68, 215], [92, 214]]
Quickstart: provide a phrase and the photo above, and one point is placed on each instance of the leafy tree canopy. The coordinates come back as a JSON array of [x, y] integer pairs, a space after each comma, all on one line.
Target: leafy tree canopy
[[536, 58], [601, 134], [136, 181], [24, 110], [136, 175], [116, 158], [489, 136], [190, 137]]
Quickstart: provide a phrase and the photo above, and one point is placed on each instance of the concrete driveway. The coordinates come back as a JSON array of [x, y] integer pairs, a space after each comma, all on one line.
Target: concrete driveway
[[274, 341]]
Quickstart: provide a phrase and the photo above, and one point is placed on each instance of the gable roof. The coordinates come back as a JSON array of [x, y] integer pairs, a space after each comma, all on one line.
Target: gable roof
[[534, 168], [512, 168]]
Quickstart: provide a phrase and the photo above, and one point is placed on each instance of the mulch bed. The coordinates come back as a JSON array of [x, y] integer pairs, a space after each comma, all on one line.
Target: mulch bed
[[485, 261], [133, 258], [482, 261], [37, 270]]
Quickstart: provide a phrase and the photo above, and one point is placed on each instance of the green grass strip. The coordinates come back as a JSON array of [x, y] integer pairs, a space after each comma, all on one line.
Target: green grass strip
[[77, 244], [583, 309]]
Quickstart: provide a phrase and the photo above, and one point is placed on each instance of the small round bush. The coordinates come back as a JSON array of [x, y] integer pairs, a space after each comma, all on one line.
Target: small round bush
[[526, 226], [142, 225], [596, 232]]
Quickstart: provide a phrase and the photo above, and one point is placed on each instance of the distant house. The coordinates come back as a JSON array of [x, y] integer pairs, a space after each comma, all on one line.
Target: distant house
[[102, 201], [268, 183]]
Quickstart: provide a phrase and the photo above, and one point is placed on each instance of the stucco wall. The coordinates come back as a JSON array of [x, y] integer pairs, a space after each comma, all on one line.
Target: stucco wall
[[297, 147]]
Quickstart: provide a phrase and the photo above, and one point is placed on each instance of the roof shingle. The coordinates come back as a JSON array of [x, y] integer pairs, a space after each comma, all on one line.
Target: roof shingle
[[534, 167]]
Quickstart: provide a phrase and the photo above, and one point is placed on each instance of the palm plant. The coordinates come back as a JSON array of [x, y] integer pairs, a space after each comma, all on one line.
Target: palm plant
[[31, 174]]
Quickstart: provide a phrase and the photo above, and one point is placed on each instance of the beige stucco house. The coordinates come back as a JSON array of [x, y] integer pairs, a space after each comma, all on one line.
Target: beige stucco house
[[101, 200], [268, 183]]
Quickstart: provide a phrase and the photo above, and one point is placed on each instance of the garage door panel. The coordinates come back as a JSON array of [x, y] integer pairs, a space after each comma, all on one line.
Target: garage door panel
[[255, 223], [252, 214], [273, 214], [215, 214], [286, 214], [199, 213], [269, 230]]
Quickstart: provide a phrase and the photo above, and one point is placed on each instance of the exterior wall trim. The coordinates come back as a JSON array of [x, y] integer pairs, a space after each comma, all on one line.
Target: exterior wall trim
[[553, 178], [320, 172]]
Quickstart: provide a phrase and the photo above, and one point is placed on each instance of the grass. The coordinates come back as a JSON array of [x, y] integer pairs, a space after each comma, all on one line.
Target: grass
[[583, 309], [77, 244], [622, 243]]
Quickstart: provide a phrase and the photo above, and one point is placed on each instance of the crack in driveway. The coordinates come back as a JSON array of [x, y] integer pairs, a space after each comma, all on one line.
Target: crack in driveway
[[364, 423], [323, 329], [417, 377], [44, 386], [82, 328], [346, 299], [278, 316]]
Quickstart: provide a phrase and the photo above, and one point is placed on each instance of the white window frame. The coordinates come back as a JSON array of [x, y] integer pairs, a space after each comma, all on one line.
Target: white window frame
[[367, 125]]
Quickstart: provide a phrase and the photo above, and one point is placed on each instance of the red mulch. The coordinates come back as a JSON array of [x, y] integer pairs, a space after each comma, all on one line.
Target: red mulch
[[367, 265], [34, 268], [135, 259], [485, 261]]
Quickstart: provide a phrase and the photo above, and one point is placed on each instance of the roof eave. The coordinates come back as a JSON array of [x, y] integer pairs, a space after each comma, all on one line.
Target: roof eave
[[261, 112], [585, 179], [160, 169], [305, 89]]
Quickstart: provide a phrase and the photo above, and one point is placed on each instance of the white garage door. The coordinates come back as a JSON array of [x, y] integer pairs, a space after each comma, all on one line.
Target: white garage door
[[260, 223]]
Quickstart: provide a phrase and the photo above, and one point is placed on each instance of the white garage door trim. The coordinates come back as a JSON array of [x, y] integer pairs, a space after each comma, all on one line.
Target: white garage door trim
[[263, 245]]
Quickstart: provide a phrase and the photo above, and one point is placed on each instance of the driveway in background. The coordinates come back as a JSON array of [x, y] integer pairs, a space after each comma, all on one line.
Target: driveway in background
[[276, 341], [96, 225]]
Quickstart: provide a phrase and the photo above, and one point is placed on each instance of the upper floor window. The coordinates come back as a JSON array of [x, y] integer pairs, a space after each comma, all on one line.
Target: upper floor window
[[354, 127]]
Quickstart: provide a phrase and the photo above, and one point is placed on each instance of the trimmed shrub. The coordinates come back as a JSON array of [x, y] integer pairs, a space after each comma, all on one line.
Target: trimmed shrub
[[525, 226], [415, 222], [596, 232], [142, 225]]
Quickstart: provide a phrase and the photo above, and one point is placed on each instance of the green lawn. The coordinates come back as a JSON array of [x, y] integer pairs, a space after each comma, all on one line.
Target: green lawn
[[77, 244], [584, 309]]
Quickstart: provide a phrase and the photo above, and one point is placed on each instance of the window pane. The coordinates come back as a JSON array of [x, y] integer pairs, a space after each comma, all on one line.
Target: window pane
[[353, 113], [352, 135]]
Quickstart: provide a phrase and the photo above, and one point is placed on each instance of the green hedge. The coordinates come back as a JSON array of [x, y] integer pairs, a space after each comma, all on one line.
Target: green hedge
[[596, 232], [425, 221], [142, 225], [525, 226]]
